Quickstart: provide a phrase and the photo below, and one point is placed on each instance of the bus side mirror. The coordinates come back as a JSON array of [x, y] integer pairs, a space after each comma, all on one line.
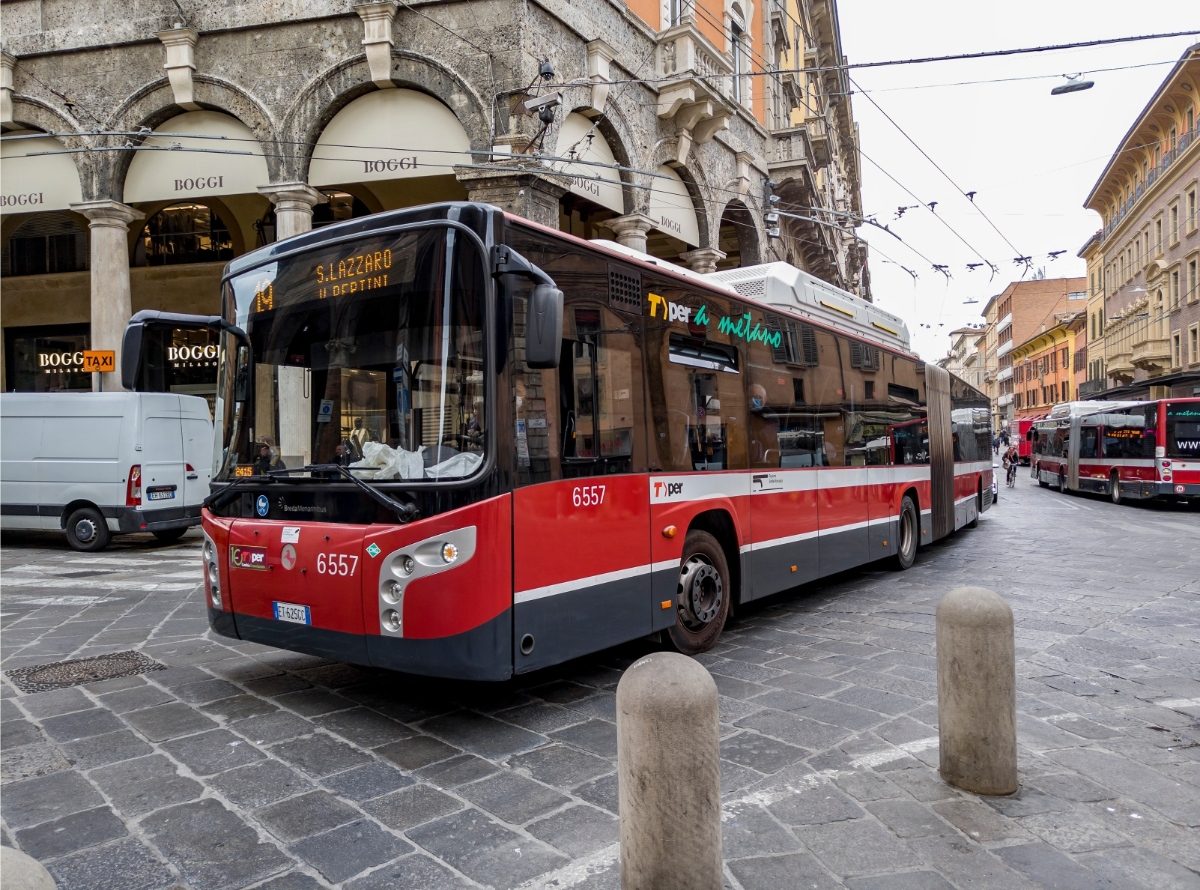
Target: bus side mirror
[[131, 355], [543, 326]]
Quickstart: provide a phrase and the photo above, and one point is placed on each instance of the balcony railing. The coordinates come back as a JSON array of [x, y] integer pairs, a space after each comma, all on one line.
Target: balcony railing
[[1152, 354], [1157, 170]]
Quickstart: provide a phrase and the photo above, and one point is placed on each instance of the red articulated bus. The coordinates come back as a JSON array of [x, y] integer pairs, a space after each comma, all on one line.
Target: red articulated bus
[[1127, 450], [452, 442]]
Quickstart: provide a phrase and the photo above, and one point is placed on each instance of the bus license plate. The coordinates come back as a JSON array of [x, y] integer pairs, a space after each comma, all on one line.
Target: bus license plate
[[160, 493], [292, 612]]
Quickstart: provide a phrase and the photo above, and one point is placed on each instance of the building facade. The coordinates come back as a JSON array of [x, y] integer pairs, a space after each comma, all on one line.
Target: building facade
[[1048, 367], [145, 146], [1014, 316], [1144, 263]]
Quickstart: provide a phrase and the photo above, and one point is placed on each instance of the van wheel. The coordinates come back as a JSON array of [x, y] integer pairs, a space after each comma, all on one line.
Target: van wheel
[[702, 597], [1114, 488], [170, 535], [907, 535], [87, 530]]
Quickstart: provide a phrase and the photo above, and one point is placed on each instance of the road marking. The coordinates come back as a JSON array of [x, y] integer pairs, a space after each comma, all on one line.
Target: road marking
[[101, 583], [60, 600], [1179, 704], [578, 872]]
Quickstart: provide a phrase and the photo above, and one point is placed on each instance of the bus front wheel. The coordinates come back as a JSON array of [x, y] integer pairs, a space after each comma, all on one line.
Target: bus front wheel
[[702, 597], [908, 533], [1114, 488]]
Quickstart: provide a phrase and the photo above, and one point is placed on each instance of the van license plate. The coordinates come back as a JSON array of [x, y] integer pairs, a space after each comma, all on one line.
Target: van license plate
[[292, 612], [160, 493]]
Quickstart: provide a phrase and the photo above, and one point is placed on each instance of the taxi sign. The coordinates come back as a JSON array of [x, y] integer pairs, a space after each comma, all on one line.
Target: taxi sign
[[103, 360]]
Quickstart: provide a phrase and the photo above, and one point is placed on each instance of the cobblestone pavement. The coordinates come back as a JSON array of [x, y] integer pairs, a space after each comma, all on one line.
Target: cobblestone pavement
[[240, 766]]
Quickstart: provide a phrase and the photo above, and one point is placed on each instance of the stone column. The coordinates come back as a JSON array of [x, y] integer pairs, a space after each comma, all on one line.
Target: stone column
[[631, 230], [294, 203], [110, 295], [703, 259], [520, 187]]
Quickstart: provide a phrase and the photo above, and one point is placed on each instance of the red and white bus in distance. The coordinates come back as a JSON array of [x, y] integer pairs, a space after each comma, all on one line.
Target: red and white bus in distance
[[1127, 450], [1019, 430], [564, 446]]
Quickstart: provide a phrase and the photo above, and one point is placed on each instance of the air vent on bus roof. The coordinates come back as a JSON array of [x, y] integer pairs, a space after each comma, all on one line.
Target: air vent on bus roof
[[624, 290], [755, 288]]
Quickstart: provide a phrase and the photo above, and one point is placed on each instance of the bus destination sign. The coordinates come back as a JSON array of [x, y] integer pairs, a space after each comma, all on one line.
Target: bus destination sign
[[355, 274]]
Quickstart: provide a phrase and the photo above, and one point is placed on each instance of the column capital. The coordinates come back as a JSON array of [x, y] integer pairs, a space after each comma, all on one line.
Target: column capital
[[631, 230], [8, 62], [292, 193], [377, 17], [520, 185], [703, 259], [108, 213]]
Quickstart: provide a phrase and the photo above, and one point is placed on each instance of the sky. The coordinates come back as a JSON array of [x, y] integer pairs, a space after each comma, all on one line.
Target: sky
[[1031, 158]]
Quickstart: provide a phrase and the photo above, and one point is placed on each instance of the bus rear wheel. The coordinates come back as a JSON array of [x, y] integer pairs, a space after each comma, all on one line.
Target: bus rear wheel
[[1114, 488], [908, 533], [702, 597]]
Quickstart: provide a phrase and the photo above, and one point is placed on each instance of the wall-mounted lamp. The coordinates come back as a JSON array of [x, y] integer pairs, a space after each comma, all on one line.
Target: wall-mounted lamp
[[1074, 84]]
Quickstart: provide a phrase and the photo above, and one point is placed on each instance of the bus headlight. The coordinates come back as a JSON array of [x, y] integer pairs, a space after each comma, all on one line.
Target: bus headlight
[[212, 576], [391, 620]]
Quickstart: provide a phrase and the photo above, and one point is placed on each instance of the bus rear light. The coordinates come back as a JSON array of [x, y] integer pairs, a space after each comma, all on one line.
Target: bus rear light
[[133, 488]]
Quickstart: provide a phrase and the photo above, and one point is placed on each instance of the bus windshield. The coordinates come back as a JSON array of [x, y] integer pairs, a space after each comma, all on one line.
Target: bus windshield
[[368, 354], [1183, 429]]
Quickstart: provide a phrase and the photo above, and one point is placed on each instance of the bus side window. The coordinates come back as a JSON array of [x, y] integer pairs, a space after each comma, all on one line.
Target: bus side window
[[1089, 442]]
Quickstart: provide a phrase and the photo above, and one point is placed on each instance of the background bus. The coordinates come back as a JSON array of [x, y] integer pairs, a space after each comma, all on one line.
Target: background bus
[[550, 472], [1127, 450], [1019, 432]]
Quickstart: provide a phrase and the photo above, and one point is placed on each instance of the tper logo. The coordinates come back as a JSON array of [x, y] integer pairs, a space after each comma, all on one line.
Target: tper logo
[[667, 489]]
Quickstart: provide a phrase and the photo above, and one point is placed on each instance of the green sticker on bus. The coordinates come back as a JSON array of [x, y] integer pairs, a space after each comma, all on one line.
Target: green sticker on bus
[[373, 549]]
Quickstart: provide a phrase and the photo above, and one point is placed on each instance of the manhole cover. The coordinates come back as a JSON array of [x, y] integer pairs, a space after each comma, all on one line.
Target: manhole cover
[[61, 674]]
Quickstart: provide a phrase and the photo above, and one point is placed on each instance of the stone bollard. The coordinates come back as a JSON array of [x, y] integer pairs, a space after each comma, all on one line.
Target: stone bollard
[[22, 872], [977, 691], [669, 775]]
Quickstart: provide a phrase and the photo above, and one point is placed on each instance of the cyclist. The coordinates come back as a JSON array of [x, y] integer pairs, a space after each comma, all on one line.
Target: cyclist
[[1010, 460]]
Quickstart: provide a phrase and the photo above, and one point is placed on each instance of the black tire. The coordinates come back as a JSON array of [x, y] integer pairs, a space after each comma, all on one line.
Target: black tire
[[702, 596], [974, 523], [87, 531], [908, 535], [1114, 488], [170, 535]]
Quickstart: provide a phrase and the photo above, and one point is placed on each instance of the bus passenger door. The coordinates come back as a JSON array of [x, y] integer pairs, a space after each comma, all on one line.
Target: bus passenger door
[[580, 527]]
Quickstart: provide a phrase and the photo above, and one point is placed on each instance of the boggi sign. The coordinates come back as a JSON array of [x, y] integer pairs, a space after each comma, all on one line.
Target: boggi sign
[[176, 354], [66, 360]]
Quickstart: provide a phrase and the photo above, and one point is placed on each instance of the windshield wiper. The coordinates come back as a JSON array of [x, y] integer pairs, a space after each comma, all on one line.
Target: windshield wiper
[[219, 498], [405, 512]]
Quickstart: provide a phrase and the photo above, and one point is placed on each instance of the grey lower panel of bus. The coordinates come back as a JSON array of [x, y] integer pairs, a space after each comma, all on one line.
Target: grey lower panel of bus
[[577, 622], [483, 653], [769, 569]]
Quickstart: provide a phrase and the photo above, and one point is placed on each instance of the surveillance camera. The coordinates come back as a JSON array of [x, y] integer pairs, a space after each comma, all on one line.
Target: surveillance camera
[[537, 103]]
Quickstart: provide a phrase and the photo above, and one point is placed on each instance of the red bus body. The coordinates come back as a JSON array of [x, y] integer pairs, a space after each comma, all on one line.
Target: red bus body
[[1018, 432], [1128, 451], [581, 520]]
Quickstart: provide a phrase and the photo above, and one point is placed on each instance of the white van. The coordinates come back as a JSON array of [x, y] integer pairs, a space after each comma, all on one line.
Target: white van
[[95, 464]]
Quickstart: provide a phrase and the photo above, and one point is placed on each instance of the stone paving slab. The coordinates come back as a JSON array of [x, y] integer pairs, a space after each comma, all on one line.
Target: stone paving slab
[[243, 766]]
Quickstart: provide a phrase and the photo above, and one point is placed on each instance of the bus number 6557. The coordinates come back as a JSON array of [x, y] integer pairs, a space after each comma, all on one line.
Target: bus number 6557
[[588, 495]]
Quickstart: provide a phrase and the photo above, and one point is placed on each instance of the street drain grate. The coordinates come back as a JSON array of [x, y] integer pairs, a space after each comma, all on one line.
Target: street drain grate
[[61, 674]]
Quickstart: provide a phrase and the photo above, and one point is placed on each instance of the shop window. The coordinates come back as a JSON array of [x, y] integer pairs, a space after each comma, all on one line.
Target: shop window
[[46, 359], [183, 233], [48, 243], [340, 206]]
